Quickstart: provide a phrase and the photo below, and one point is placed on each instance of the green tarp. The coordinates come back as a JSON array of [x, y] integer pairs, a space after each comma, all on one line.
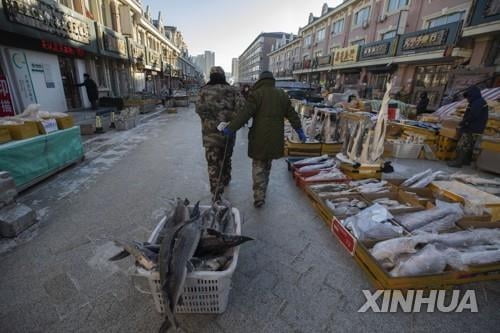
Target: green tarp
[[29, 159]]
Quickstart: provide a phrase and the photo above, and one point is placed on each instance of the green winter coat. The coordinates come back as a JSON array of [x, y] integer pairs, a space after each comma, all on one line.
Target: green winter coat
[[268, 106]]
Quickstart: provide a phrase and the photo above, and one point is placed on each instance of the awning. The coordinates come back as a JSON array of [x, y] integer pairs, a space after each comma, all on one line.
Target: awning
[[448, 109]]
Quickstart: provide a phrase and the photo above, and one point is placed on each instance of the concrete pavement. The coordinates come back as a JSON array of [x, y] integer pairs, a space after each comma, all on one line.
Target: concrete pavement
[[294, 278]]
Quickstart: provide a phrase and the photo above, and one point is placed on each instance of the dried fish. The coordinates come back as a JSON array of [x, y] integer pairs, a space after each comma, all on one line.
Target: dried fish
[[330, 163], [311, 160], [333, 174]]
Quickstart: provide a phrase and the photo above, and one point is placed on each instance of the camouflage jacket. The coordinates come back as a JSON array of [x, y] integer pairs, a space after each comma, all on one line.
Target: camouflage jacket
[[217, 103]]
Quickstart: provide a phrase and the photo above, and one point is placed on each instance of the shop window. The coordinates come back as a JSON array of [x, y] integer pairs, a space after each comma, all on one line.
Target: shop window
[[338, 27], [101, 73], [388, 34], [358, 42], [379, 81], [351, 79], [362, 16], [445, 19], [320, 35], [433, 80], [69, 81], [394, 5]]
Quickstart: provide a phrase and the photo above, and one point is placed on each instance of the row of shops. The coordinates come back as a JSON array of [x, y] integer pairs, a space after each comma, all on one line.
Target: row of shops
[[45, 48], [441, 61]]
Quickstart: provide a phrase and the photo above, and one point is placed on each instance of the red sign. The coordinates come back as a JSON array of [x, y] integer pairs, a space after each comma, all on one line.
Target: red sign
[[61, 48], [6, 108], [344, 236]]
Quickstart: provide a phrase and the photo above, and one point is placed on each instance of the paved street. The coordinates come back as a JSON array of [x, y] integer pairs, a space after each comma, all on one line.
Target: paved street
[[294, 278]]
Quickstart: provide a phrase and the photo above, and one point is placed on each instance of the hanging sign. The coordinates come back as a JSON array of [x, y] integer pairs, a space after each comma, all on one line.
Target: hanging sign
[[6, 108], [346, 55]]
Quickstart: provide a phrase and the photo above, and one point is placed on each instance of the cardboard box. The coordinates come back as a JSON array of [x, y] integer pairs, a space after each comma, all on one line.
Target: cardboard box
[[65, 122], [22, 131], [449, 133], [5, 135], [451, 122], [404, 198]]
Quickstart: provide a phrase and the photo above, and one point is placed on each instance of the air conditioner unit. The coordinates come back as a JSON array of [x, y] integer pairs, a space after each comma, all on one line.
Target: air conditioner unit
[[382, 18], [365, 24]]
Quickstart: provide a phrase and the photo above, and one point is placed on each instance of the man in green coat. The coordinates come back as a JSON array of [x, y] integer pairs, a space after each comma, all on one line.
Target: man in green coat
[[268, 106]]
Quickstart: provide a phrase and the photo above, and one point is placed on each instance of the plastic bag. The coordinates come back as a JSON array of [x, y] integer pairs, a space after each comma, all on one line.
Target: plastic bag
[[467, 238], [373, 224], [324, 165], [412, 180], [461, 260], [445, 223], [392, 248], [429, 260], [427, 180], [417, 220]]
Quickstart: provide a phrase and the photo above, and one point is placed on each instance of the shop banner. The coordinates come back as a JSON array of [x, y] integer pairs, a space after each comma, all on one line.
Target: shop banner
[[6, 107], [430, 39], [346, 55], [485, 11], [380, 49], [22, 76]]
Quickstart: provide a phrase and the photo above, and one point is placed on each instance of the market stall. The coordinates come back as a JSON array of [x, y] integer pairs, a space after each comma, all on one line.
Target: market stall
[[37, 144], [429, 231]]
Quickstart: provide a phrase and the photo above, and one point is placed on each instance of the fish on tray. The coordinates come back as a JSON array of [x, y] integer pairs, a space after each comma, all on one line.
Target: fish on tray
[[333, 174], [328, 164], [345, 206]]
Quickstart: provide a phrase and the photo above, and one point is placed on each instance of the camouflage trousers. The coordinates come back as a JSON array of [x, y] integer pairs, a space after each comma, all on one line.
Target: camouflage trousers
[[466, 144], [215, 158], [260, 175]]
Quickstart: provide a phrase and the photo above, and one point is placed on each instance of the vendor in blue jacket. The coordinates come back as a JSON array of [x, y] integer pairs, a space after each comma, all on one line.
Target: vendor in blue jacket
[[471, 127]]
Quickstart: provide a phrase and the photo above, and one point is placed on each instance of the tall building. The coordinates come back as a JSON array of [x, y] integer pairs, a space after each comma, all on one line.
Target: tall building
[[204, 62], [209, 62], [235, 69], [255, 59]]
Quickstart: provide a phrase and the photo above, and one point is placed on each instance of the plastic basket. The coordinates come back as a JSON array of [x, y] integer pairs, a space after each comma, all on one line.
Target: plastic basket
[[204, 292], [406, 150]]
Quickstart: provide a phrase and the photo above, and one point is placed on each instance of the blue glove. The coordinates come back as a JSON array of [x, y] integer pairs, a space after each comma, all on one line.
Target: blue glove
[[301, 135], [227, 132]]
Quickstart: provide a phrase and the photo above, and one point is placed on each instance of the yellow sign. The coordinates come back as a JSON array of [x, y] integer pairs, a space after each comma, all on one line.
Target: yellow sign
[[346, 55]]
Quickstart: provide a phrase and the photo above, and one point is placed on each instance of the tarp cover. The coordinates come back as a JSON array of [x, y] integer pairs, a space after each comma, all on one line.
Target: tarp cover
[[29, 159]]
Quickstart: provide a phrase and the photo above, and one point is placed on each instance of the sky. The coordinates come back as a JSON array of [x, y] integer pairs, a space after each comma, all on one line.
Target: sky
[[227, 27]]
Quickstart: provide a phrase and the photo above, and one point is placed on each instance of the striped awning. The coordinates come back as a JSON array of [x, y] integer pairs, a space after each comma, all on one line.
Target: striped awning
[[449, 109]]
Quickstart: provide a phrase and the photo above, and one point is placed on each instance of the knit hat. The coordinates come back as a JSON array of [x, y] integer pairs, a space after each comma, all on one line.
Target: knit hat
[[266, 75], [217, 70]]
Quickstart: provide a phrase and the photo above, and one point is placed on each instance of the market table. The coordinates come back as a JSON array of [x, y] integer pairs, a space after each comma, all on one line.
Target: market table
[[32, 160]]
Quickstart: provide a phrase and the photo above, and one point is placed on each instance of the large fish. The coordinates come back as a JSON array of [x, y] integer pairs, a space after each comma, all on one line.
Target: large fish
[[186, 242], [179, 214], [217, 243], [144, 256]]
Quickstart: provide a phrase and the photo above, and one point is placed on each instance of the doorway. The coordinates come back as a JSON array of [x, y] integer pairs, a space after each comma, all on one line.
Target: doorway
[[68, 75]]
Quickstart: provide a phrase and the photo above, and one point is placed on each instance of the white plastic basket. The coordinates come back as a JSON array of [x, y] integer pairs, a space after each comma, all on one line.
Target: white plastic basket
[[406, 150], [204, 292]]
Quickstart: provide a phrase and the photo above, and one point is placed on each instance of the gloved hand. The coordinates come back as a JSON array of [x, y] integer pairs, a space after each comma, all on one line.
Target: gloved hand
[[221, 126], [227, 132], [301, 135]]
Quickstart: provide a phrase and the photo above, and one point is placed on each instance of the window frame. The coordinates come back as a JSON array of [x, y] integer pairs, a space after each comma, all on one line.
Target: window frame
[[356, 13], [323, 30], [400, 7], [447, 15], [334, 23], [395, 31]]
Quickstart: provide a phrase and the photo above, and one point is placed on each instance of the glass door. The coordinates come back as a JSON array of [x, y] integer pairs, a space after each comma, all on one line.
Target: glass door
[[68, 75]]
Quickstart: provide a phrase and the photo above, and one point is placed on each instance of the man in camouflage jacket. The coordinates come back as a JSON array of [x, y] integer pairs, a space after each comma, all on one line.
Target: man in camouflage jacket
[[218, 102]]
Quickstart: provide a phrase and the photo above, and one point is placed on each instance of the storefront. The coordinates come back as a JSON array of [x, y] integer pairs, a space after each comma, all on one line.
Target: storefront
[[430, 58], [153, 71], [377, 76], [41, 62], [112, 66], [341, 61], [137, 56]]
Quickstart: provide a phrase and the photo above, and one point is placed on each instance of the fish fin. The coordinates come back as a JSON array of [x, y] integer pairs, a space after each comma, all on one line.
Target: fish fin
[[213, 232], [119, 256]]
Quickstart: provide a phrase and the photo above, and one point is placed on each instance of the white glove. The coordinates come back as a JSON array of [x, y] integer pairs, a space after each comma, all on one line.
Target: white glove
[[221, 126]]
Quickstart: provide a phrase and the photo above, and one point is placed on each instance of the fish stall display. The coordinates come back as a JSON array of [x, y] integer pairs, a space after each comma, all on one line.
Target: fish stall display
[[191, 239], [345, 206], [327, 175], [321, 125], [365, 144], [431, 253], [391, 204]]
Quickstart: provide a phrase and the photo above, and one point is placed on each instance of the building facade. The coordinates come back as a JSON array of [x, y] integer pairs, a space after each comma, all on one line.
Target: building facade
[[235, 69], [255, 59], [43, 57], [204, 62], [437, 46]]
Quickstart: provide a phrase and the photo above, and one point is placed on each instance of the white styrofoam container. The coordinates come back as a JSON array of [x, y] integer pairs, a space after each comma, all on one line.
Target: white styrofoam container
[[406, 150], [204, 292]]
